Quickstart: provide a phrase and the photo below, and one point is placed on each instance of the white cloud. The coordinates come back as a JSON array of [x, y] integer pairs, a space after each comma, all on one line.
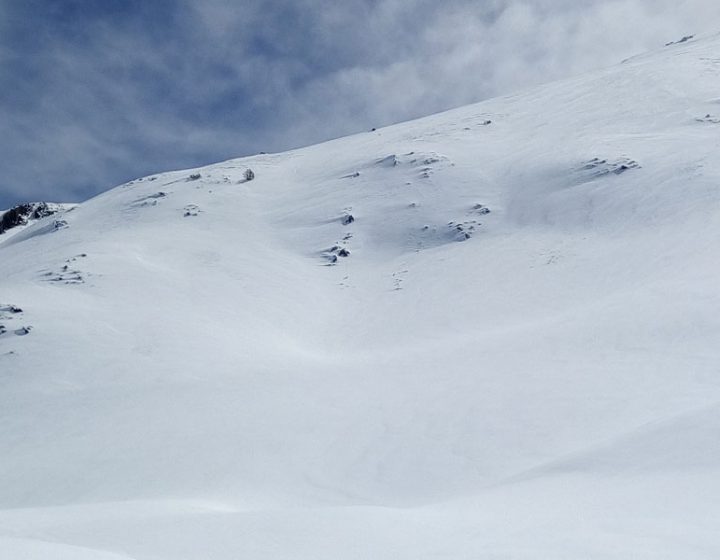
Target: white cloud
[[218, 78]]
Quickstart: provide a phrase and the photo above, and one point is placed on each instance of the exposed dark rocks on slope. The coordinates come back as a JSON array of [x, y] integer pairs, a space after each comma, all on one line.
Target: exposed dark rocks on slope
[[683, 40], [9, 312], [191, 210], [463, 231], [149, 200], [598, 167], [20, 215], [67, 274], [430, 236], [333, 253]]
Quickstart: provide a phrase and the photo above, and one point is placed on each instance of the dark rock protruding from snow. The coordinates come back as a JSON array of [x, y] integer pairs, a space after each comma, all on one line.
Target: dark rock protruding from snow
[[709, 119], [685, 39], [10, 312], [480, 209], [23, 213], [332, 254], [597, 167], [191, 210]]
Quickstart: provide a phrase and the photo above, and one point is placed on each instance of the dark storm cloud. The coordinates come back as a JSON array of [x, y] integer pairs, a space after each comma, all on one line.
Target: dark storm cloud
[[94, 93]]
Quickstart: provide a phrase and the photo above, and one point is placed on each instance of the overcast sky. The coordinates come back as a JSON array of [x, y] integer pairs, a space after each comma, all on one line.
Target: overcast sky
[[96, 92]]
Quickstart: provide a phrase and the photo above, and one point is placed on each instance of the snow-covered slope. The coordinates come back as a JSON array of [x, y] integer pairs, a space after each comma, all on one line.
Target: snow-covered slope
[[15, 219], [489, 333]]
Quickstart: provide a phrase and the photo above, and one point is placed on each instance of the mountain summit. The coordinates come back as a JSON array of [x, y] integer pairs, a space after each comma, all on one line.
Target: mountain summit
[[489, 333]]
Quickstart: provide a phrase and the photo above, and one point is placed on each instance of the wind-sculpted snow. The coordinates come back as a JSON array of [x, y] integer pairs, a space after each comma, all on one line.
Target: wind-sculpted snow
[[489, 333]]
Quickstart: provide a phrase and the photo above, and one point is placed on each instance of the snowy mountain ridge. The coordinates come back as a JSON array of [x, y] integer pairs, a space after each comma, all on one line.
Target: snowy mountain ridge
[[19, 217], [488, 333]]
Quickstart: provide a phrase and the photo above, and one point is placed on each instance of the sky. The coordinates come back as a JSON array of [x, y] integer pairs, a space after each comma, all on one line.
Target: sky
[[97, 92]]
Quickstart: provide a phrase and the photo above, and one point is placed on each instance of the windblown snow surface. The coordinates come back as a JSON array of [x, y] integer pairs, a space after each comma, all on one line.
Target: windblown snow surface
[[493, 333]]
